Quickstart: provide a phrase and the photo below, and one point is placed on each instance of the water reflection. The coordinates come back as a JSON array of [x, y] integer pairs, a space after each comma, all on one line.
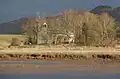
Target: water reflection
[[30, 62], [36, 76], [56, 70]]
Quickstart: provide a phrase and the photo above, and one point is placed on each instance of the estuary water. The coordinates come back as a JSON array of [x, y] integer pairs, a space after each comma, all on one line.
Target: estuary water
[[57, 70]]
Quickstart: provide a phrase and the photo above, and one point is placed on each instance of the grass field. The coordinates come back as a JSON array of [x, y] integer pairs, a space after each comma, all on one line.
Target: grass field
[[5, 39], [76, 52]]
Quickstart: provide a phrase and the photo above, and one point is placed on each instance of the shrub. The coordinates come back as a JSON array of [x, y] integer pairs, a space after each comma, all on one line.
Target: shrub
[[15, 42]]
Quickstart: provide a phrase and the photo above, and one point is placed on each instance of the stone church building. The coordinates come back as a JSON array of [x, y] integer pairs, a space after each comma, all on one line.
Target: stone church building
[[43, 34]]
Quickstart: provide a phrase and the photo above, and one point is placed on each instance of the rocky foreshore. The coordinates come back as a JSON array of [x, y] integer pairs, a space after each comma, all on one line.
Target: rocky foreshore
[[52, 54]]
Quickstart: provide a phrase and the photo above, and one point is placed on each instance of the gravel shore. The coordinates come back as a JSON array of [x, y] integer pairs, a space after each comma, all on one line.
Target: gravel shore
[[78, 53]]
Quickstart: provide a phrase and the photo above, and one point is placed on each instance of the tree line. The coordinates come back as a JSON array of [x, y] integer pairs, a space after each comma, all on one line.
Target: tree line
[[90, 29]]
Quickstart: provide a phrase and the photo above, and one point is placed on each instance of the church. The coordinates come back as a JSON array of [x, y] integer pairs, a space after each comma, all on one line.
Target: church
[[42, 37]]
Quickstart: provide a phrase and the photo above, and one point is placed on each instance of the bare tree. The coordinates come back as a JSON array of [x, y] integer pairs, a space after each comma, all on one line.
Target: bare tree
[[88, 28], [30, 28]]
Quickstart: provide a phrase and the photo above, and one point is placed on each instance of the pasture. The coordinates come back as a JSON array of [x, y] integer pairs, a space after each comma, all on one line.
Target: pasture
[[5, 39]]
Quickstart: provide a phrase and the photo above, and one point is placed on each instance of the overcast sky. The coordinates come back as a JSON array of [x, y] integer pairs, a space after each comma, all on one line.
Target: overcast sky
[[14, 9]]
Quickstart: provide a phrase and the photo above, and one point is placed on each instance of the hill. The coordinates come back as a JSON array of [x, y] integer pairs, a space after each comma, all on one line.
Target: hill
[[12, 27], [114, 12]]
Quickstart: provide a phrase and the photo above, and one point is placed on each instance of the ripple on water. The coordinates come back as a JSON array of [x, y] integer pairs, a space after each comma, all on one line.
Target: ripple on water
[[57, 71], [31, 62], [57, 76]]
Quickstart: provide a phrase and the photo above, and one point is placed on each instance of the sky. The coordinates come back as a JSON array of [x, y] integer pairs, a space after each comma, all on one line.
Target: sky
[[14, 9]]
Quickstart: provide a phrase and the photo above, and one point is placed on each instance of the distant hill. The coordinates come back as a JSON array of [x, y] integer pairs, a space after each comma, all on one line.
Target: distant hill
[[114, 12], [12, 27], [100, 9]]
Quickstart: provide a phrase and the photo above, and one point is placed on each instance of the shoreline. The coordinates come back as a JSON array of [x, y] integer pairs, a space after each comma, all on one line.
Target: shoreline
[[60, 54], [50, 68], [104, 61]]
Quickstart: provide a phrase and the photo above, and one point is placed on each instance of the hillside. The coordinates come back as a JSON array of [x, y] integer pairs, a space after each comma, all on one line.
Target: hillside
[[114, 12], [12, 27]]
